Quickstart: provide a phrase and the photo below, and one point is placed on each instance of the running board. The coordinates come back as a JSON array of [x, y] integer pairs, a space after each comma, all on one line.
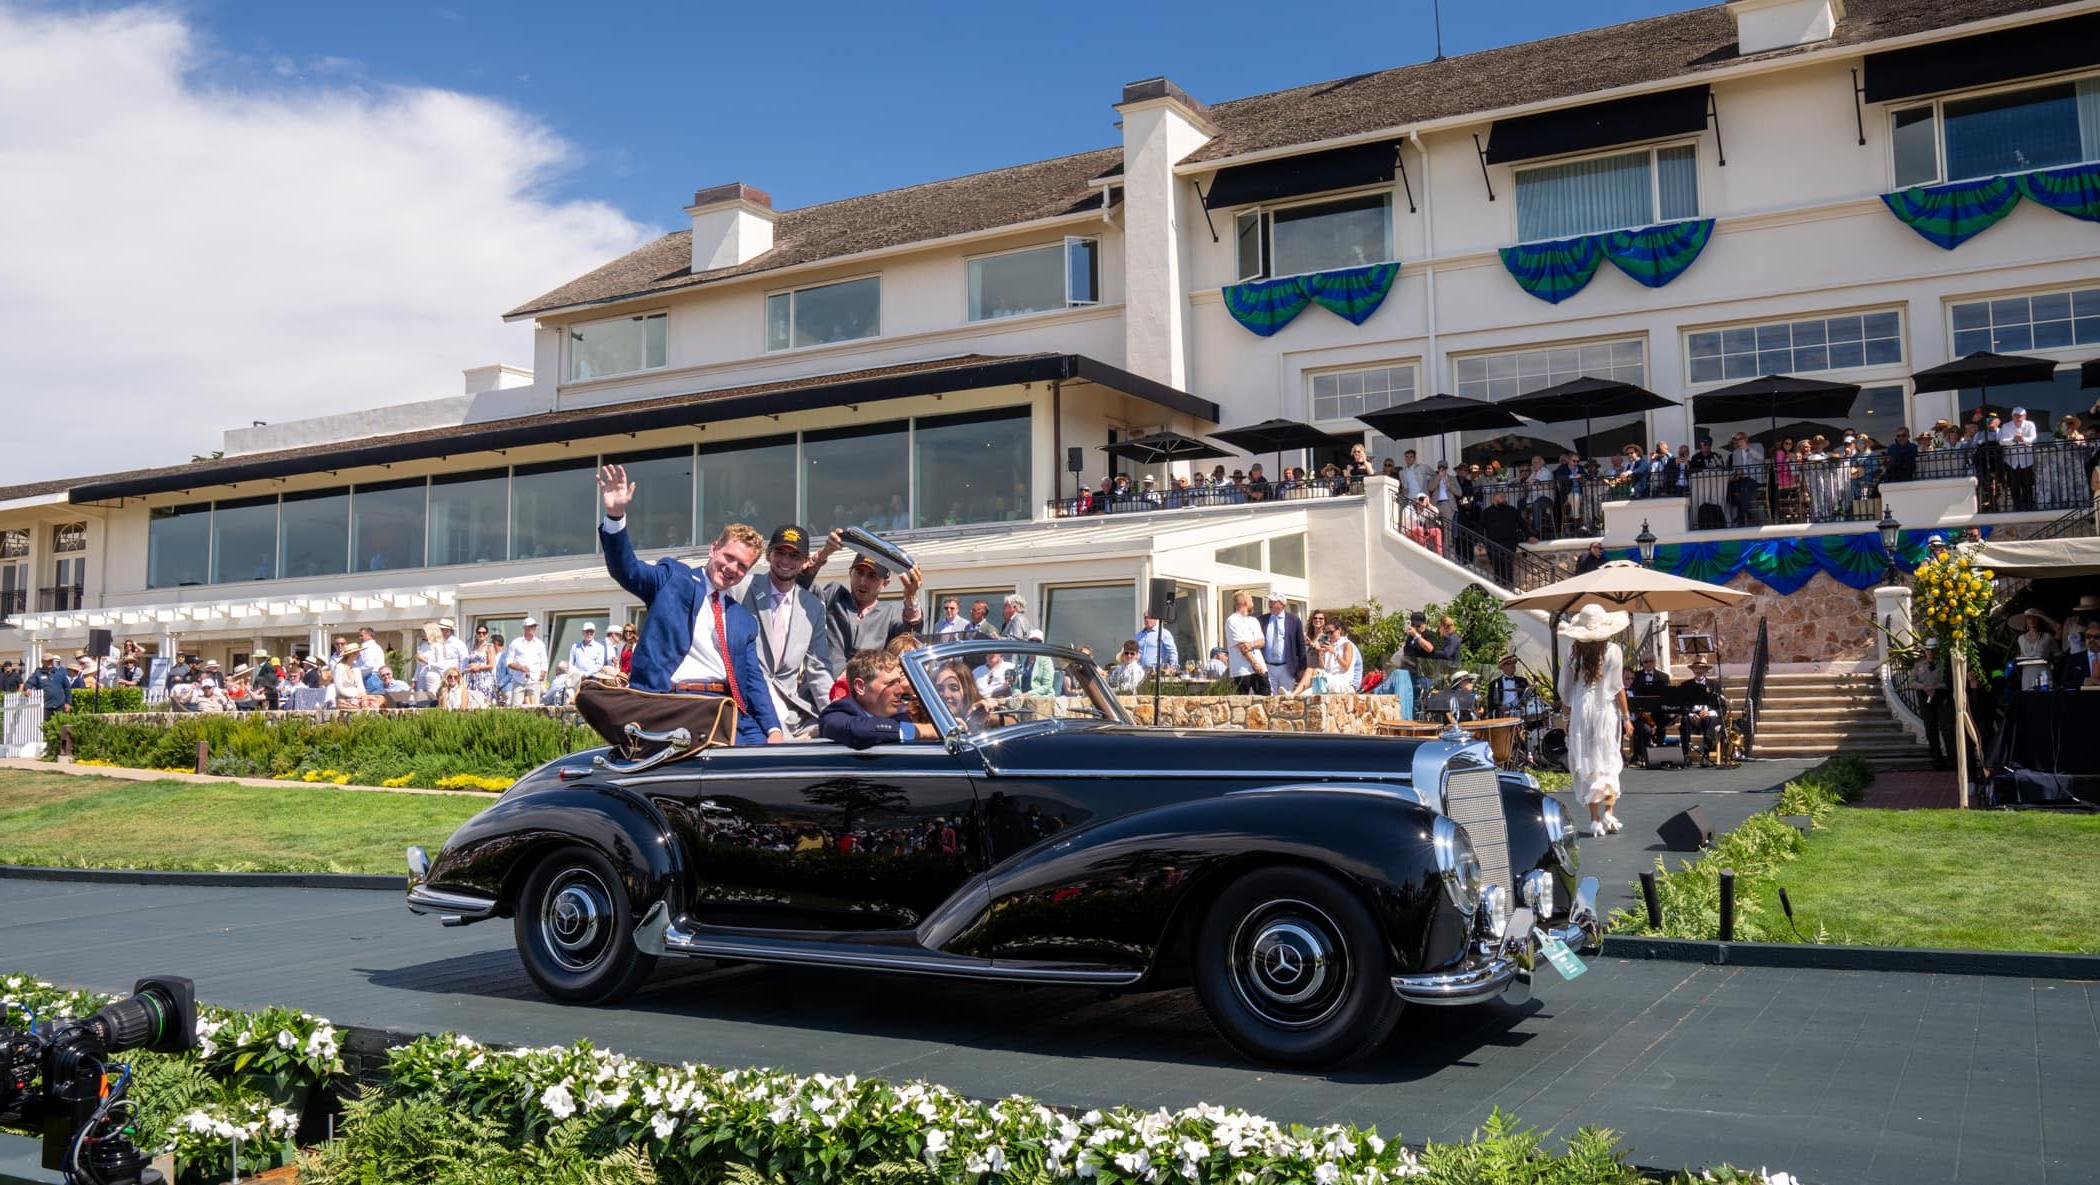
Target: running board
[[659, 935]]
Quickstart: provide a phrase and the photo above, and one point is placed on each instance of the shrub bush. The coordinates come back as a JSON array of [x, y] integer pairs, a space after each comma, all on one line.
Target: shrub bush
[[111, 699], [423, 747]]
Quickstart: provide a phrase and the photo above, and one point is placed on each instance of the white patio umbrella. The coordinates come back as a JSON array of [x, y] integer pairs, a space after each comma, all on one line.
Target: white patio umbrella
[[1622, 585]]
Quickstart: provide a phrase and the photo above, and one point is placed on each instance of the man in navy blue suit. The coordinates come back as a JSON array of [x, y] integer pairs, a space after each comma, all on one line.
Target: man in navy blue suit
[[1283, 645], [698, 639], [871, 715]]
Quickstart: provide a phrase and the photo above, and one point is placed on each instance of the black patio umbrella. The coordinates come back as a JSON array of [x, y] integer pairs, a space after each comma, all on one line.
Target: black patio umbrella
[[1160, 447], [1984, 369], [2089, 374], [1274, 436], [1772, 396], [1439, 414], [1584, 399]]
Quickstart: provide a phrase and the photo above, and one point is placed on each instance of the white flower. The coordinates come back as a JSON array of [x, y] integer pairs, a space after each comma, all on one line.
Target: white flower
[[1194, 1150], [663, 1124], [1134, 1162], [286, 1040], [936, 1142], [558, 1100], [1325, 1173], [475, 1062], [1778, 1178]]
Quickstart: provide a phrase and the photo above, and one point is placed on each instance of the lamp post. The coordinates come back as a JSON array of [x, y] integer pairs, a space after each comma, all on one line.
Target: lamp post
[[1646, 542], [1891, 535]]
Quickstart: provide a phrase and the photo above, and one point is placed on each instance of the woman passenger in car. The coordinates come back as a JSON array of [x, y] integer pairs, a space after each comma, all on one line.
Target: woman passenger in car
[[956, 684]]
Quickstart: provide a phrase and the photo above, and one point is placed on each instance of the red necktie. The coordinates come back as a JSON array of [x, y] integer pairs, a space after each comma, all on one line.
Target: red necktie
[[722, 645]]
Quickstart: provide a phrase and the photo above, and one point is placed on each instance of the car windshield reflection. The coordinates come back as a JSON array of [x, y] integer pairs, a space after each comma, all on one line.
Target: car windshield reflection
[[979, 687]]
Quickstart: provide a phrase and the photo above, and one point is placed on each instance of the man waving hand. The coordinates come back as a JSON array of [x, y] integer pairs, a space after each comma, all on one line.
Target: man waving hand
[[697, 640]]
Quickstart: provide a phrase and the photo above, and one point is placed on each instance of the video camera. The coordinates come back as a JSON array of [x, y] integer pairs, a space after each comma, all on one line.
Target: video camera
[[55, 1075]]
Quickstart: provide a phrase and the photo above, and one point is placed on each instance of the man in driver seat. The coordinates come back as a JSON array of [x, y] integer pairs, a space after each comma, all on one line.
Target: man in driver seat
[[871, 714]]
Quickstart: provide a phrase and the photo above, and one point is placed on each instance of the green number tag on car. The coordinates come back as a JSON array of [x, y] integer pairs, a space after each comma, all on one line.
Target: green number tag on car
[[1565, 961]]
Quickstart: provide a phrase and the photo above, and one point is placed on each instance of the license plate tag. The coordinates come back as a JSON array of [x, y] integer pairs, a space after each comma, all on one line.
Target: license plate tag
[[1565, 961]]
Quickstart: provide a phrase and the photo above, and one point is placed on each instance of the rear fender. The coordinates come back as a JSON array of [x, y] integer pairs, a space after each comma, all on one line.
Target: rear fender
[[493, 851]]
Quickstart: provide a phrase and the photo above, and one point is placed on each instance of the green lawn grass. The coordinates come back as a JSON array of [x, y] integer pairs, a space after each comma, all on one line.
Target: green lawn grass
[[1965, 880], [83, 821]]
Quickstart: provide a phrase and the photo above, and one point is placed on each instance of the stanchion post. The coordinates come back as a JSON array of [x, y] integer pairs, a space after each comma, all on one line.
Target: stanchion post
[[1648, 894], [65, 739], [1961, 729], [1728, 905], [203, 756]]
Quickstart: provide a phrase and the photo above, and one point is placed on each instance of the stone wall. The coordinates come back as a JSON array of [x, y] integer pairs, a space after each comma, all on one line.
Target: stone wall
[[1826, 622]]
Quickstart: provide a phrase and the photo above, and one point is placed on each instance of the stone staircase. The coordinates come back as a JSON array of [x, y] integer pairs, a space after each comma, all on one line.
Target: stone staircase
[[1816, 715]]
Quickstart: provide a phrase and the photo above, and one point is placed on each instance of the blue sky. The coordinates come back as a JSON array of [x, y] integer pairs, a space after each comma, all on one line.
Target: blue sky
[[817, 101]]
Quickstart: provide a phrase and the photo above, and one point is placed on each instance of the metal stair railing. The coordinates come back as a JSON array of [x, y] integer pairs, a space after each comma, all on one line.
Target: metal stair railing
[[1511, 569], [1760, 662]]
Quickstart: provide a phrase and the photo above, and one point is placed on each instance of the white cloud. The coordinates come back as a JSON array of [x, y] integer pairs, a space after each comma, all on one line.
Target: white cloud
[[177, 259]]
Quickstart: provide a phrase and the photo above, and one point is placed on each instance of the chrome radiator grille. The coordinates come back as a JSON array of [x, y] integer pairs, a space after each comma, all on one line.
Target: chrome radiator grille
[[1473, 800]]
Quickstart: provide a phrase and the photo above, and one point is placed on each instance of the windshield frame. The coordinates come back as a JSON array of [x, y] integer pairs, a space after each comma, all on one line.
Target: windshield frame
[[920, 664]]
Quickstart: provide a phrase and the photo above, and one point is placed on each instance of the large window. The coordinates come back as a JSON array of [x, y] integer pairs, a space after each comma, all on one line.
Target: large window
[[244, 540], [469, 514], [1627, 189], [661, 514], [2010, 324], [973, 468], [1794, 347], [313, 532], [826, 313], [2015, 131], [857, 477], [750, 481], [386, 525], [1520, 372], [178, 545], [1287, 555], [1099, 616], [1036, 280], [566, 629], [1314, 236], [621, 345], [1346, 394], [553, 509]]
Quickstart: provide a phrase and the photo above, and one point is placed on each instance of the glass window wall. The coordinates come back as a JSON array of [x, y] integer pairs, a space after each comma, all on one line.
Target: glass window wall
[[661, 514], [1795, 347], [1287, 555], [1099, 616], [313, 533], [1320, 237], [469, 513], [618, 346], [857, 477], [244, 540], [748, 481], [1520, 372], [1017, 282], [2016, 324], [178, 545], [827, 313], [554, 509], [386, 525], [973, 468]]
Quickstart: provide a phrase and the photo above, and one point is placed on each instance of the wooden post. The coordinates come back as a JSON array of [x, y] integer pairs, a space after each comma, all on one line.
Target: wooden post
[[1961, 727], [65, 739], [203, 756]]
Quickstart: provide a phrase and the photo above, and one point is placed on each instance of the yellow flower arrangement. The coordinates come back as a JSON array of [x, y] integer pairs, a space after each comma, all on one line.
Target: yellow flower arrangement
[[473, 782], [1952, 598]]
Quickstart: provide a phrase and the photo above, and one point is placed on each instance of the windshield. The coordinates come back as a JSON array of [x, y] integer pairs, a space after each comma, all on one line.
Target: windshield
[[979, 687]]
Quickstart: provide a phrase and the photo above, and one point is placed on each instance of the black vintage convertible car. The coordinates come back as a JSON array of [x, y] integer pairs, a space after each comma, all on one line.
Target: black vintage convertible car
[[1306, 885]]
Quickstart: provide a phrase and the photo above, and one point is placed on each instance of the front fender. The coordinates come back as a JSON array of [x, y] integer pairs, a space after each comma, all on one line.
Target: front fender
[[1113, 892], [493, 851], [1524, 820]]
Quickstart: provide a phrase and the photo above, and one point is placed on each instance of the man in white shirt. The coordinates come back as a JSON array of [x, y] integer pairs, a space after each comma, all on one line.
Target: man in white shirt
[[952, 625], [371, 657], [1243, 640], [995, 677], [2018, 437], [452, 649], [587, 656], [1156, 646], [526, 660], [1414, 477]]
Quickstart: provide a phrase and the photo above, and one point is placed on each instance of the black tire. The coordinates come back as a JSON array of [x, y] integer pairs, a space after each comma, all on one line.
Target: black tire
[[1330, 1004], [575, 929]]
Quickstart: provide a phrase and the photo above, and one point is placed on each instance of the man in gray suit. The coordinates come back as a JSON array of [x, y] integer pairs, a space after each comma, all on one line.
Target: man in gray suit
[[792, 644]]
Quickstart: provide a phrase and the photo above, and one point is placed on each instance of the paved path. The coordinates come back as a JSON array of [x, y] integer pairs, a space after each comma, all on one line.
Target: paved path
[[1727, 796], [1839, 1077]]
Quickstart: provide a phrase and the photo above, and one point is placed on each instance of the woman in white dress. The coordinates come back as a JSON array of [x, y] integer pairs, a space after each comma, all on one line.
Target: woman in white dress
[[1593, 688]]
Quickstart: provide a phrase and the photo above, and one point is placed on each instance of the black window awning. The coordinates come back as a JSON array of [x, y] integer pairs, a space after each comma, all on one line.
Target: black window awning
[[1297, 176], [2025, 52], [1598, 125]]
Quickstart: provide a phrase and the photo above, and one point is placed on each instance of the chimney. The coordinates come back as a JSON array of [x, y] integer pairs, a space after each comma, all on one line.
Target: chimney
[[732, 224], [1161, 125], [1782, 24]]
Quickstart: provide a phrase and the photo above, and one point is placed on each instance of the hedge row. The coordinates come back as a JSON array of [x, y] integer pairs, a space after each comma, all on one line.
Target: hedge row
[[405, 749]]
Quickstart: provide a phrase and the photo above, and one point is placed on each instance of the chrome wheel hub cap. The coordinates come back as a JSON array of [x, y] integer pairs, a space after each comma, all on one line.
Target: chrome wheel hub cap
[[577, 920], [1290, 964]]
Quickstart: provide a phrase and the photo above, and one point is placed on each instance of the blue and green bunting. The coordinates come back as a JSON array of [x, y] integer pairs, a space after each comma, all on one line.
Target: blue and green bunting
[[1352, 293], [1950, 215], [2074, 190], [1787, 565], [1553, 271], [1656, 255], [1264, 306]]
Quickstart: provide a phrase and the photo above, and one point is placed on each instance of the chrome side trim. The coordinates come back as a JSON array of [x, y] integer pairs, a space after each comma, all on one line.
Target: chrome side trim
[[1401, 790], [454, 909], [780, 775], [658, 934]]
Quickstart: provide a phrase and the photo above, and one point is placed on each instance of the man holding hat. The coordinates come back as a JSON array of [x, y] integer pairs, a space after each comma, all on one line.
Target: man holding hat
[[793, 644], [698, 640], [856, 618]]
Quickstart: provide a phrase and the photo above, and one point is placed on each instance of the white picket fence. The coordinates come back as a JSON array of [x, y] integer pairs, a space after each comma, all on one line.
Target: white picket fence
[[22, 724]]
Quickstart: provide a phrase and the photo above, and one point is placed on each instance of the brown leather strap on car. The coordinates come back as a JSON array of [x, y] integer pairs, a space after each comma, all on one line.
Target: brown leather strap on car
[[609, 708]]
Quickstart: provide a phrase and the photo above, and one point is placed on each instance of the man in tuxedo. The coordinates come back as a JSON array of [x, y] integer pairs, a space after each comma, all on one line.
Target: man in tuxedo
[[1649, 721], [793, 644], [1506, 693], [1701, 703], [697, 639], [1283, 644], [2081, 668]]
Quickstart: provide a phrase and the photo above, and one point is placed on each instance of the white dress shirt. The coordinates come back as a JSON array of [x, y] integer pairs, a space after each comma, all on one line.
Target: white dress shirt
[[993, 682], [530, 653], [704, 659], [586, 658], [370, 656], [1242, 627], [2018, 432]]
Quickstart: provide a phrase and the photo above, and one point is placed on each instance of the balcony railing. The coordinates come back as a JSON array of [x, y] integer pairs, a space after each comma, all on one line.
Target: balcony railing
[[2034, 477], [2019, 477], [1136, 502], [13, 602], [59, 598], [1553, 508]]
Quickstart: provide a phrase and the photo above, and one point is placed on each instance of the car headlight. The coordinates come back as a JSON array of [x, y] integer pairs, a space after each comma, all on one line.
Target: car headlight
[[1559, 835], [1457, 864]]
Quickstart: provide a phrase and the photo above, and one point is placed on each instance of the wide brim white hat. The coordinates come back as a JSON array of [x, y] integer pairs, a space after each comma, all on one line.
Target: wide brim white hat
[[1592, 623]]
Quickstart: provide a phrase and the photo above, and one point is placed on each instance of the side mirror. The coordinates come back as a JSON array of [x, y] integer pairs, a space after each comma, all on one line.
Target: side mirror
[[956, 740]]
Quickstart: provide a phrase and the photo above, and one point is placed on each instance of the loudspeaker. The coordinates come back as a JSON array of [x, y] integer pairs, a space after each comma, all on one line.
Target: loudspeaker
[[1660, 754], [1075, 459], [1686, 831], [1159, 599], [98, 644]]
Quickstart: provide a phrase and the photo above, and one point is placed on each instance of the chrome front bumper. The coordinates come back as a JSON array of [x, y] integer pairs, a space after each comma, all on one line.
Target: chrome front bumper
[[1502, 963], [452, 908]]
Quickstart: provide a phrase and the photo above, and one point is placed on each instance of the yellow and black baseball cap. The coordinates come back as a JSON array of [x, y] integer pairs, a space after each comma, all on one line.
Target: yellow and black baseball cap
[[789, 536]]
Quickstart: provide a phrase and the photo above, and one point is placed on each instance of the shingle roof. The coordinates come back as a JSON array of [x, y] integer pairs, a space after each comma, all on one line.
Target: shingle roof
[[1677, 45]]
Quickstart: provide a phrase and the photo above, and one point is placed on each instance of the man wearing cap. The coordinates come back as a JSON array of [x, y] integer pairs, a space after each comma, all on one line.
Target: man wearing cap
[[1156, 647], [54, 682], [1283, 644], [526, 660], [856, 618], [587, 657], [698, 639], [793, 645], [1927, 675], [2018, 439]]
